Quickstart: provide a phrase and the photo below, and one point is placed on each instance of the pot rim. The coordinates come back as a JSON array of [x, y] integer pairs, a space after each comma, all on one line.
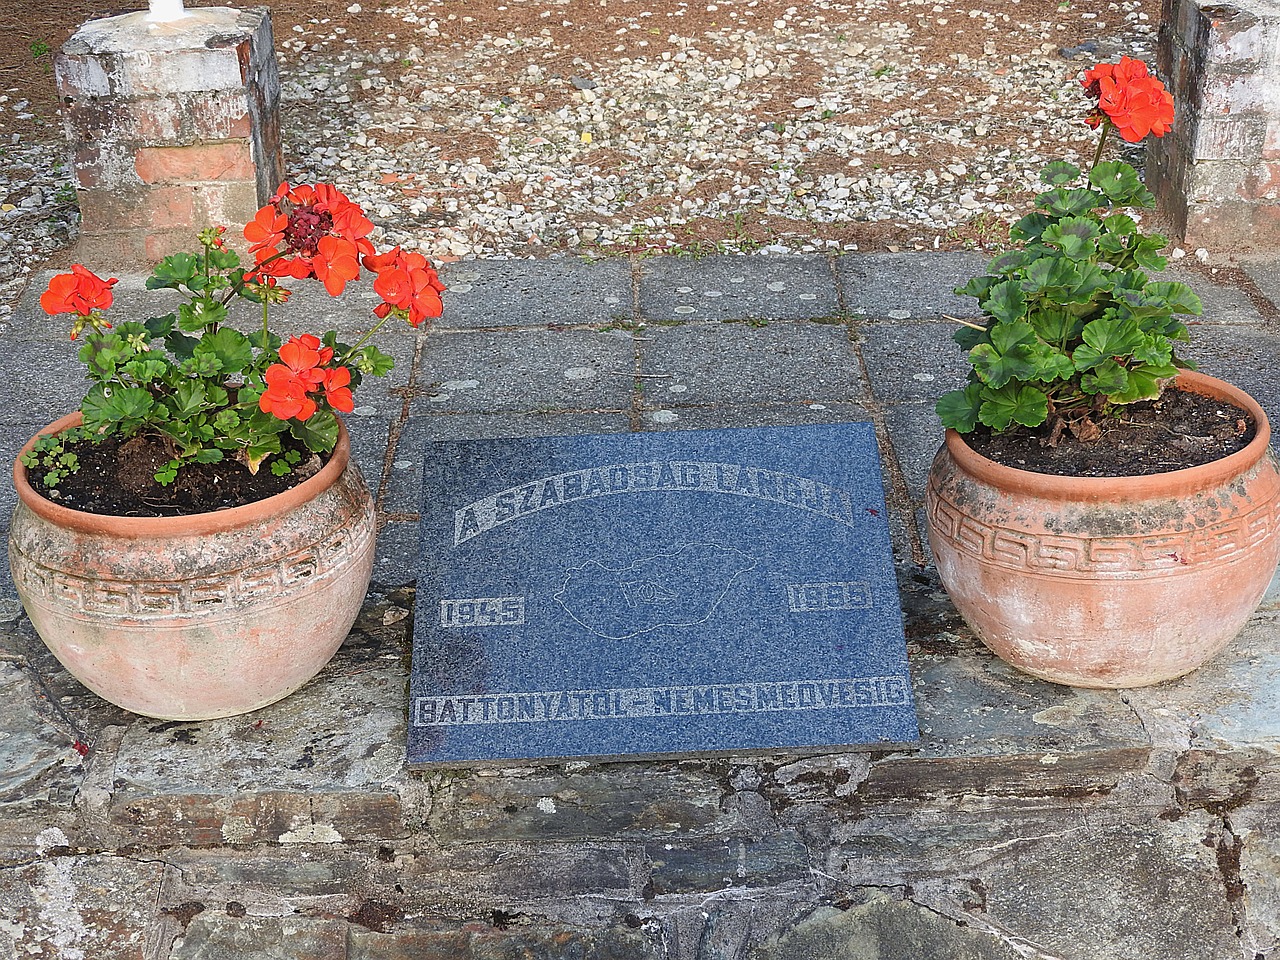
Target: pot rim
[[196, 524], [1100, 489]]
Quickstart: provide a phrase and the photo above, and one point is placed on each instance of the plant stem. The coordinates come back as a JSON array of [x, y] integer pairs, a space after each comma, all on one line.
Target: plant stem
[[1102, 141], [365, 339]]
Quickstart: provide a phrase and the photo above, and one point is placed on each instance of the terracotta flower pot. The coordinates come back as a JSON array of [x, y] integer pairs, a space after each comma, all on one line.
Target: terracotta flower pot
[[210, 615], [1108, 582]]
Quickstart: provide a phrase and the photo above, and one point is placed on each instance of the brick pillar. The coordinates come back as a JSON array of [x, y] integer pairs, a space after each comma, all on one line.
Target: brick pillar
[[174, 126], [1217, 174]]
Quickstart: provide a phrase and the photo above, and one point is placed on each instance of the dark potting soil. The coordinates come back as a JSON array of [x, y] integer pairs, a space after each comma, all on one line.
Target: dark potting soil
[[1177, 430], [118, 479]]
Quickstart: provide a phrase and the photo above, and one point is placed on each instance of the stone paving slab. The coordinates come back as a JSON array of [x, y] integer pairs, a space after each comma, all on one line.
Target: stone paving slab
[[1223, 303], [674, 416], [905, 286], [912, 361], [78, 906], [723, 288], [527, 370], [567, 290], [917, 434], [739, 363]]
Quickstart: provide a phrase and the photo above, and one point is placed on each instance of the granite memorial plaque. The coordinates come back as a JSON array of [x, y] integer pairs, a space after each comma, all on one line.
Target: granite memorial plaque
[[688, 593]]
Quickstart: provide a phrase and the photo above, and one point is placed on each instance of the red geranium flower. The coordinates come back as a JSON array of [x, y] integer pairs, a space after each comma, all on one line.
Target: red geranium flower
[[79, 291], [286, 394], [310, 231], [407, 284], [1135, 102], [337, 390]]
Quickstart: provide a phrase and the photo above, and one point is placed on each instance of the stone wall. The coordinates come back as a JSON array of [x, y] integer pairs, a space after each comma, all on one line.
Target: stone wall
[[173, 126], [1216, 176], [1034, 821]]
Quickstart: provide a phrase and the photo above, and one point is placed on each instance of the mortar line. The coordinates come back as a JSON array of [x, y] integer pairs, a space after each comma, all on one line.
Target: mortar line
[[888, 452]]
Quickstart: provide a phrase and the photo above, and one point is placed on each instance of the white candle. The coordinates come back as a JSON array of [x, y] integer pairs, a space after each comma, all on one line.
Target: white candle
[[163, 11]]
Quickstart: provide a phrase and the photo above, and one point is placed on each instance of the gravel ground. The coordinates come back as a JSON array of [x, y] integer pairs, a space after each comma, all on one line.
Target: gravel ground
[[604, 127]]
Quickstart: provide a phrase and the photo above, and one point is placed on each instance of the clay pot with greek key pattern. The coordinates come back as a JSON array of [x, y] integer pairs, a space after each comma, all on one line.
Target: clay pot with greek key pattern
[[1108, 582], [204, 616]]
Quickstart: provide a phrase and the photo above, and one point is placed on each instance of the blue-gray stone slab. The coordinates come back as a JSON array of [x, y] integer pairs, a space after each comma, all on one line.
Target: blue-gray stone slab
[[912, 361], [903, 286], [737, 288], [481, 372], [496, 293], [403, 493], [686, 593], [739, 363], [677, 417]]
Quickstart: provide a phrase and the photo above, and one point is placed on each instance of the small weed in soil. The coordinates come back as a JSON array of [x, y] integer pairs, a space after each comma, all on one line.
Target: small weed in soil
[[117, 478], [1175, 431]]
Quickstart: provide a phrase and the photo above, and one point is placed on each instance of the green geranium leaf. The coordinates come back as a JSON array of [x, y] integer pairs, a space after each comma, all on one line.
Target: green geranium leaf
[[1103, 340], [1030, 228], [1107, 377], [1076, 237], [968, 337], [1120, 224], [161, 325], [1092, 280], [977, 287], [121, 406], [1013, 404], [188, 398], [1179, 297], [1068, 203], [1120, 183], [1005, 301], [101, 354], [200, 313], [1154, 350], [223, 260], [1146, 252], [1146, 382], [958, 409], [173, 272], [145, 369], [1009, 355], [318, 433], [1052, 364], [372, 362], [1059, 172], [1051, 276], [180, 345], [1006, 263], [229, 347], [208, 455], [1054, 324], [265, 341]]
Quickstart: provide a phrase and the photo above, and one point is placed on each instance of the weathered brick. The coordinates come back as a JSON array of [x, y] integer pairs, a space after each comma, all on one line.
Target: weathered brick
[[536, 944], [1230, 138], [213, 936], [229, 203], [161, 208], [203, 819], [205, 161], [361, 816], [69, 906], [198, 107], [1237, 39]]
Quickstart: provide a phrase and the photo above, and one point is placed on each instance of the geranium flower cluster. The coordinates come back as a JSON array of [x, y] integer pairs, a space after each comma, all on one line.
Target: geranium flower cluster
[[310, 231], [302, 375], [82, 293], [210, 391], [1132, 100], [408, 286]]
